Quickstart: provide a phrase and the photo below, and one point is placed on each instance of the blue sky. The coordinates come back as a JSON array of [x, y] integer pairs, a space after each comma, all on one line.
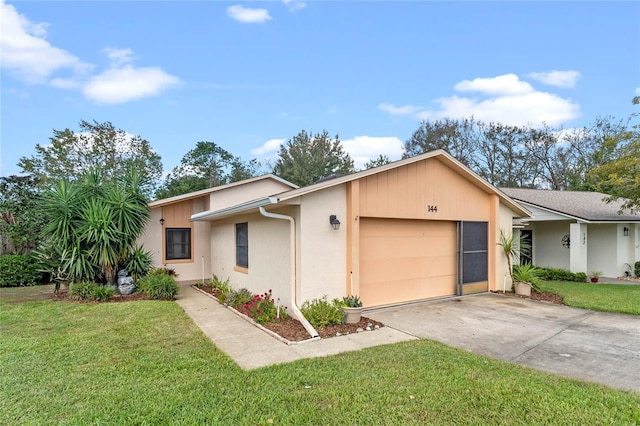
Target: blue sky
[[250, 75]]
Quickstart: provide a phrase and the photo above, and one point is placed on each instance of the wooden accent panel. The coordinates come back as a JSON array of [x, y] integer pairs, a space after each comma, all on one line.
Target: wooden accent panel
[[408, 191], [479, 287], [177, 216], [406, 260]]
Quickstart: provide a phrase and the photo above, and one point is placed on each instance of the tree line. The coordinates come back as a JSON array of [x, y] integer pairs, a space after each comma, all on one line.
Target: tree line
[[603, 156]]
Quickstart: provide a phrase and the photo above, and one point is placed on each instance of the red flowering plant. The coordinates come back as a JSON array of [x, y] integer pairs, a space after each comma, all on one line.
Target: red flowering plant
[[264, 309]]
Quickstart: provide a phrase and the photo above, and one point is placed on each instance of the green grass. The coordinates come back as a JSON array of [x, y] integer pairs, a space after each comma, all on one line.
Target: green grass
[[619, 298], [146, 363]]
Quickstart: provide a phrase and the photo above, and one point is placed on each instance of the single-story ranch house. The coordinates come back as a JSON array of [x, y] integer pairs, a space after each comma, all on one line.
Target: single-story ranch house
[[578, 231], [419, 228]]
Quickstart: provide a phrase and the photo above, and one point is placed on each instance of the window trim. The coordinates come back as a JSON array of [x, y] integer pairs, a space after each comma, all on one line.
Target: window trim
[[189, 244]]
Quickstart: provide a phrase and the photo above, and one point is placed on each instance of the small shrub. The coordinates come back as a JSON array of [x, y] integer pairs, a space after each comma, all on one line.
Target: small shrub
[[238, 298], [321, 312], [581, 277], [159, 286], [82, 290], [102, 293], [138, 263], [636, 269], [222, 287], [352, 302], [263, 309], [527, 273], [559, 274], [18, 270], [164, 271]]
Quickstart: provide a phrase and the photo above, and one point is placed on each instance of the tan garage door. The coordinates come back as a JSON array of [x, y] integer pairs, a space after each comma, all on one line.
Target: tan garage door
[[406, 260]]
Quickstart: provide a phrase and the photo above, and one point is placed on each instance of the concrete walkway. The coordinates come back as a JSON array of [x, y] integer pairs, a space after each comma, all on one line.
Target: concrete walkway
[[251, 347]]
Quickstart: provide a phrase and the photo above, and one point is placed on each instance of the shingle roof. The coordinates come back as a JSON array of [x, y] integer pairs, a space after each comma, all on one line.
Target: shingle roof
[[590, 206]]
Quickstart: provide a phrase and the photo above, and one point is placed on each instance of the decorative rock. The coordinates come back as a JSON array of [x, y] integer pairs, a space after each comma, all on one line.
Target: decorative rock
[[369, 325], [368, 328], [377, 326], [338, 334], [359, 330]]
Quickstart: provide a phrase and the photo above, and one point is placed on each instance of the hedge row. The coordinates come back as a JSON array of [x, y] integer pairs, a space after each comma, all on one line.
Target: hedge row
[[558, 274], [17, 270]]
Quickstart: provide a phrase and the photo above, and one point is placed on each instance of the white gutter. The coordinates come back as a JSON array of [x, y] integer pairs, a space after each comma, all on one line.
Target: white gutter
[[292, 237]]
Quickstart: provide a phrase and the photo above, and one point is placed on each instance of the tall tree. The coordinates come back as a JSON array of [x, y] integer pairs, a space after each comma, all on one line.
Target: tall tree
[[458, 137], [21, 219], [206, 166], [620, 177], [307, 158], [96, 145], [381, 160]]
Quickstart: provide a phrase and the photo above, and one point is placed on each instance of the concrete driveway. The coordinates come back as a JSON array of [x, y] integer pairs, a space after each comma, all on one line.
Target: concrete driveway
[[594, 346]]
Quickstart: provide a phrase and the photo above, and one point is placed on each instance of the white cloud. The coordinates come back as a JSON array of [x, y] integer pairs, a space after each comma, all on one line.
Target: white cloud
[[637, 90], [399, 110], [294, 4], [248, 15], [507, 84], [268, 148], [364, 148], [27, 54], [557, 78], [126, 84], [505, 99], [118, 56]]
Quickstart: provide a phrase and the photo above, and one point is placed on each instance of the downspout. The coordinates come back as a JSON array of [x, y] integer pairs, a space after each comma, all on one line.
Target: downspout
[[292, 238]]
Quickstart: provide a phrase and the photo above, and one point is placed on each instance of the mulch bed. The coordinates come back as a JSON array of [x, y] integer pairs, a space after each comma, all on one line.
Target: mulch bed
[[535, 295], [293, 330]]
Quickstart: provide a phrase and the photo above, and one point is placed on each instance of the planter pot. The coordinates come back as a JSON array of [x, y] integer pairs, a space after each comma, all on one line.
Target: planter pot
[[351, 315], [594, 280], [522, 289]]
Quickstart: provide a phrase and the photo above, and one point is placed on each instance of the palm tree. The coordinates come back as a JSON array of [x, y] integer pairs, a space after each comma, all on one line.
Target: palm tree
[[512, 249]]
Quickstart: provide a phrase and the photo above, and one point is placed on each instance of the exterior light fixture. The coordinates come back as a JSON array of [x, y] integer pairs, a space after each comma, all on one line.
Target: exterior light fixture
[[625, 231], [161, 221], [333, 220]]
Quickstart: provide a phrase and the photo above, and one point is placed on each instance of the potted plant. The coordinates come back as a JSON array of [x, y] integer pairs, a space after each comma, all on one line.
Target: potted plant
[[525, 278], [352, 309], [512, 248], [595, 276]]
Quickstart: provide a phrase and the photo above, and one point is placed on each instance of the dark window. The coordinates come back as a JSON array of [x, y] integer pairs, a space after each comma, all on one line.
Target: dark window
[[475, 261], [242, 245], [178, 243]]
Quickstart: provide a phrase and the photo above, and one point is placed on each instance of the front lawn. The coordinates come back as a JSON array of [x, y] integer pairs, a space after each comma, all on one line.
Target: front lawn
[[619, 298], [145, 362]]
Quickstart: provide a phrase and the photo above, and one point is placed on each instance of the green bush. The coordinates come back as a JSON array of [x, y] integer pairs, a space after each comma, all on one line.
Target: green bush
[[321, 312], [238, 298], [138, 263], [527, 273], [222, 286], [164, 271], [636, 269], [88, 290], [18, 270], [159, 286], [559, 274]]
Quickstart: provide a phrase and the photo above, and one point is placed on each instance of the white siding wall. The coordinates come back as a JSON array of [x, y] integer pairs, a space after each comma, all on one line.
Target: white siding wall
[[602, 252], [268, 255], [323, 250], [547, 244]]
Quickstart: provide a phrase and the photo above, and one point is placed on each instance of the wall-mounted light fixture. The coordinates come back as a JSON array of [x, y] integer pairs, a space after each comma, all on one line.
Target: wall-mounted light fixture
[[625, 231], [161, 221], [333, 220]]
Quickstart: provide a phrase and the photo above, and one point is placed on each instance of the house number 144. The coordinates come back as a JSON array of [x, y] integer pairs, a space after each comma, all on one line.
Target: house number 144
[[432, 209]]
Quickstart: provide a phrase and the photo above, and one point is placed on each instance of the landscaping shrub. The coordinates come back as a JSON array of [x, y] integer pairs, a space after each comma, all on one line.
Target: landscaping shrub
[[88, 290], [263, 309], [559, 274], [238, 298], [164, 271], [18, 270], [223, 288], [321, 312], [636, 269], [138, 263], [159, 286]]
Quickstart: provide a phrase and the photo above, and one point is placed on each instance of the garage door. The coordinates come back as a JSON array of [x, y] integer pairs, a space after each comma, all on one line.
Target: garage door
[[406, 260]]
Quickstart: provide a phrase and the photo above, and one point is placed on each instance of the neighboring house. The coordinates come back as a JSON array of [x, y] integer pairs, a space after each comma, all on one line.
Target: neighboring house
[[578, 231], [185, 246], [419, 228]]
